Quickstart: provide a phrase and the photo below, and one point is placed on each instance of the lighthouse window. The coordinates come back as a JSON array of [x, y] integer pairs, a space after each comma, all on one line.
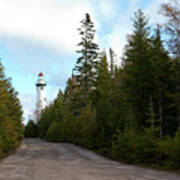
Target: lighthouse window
[[42, 87]]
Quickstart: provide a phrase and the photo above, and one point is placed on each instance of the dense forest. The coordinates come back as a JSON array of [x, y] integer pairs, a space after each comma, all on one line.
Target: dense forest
[[11, 127], [129, 112]]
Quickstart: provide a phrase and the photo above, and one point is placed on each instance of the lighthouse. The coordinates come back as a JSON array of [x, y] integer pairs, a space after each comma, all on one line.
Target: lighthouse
[[41, 95]]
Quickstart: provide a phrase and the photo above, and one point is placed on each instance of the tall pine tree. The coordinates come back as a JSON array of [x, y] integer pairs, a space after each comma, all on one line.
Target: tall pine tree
[[86, 63], [103, 105], [139, 84], [163, 85]]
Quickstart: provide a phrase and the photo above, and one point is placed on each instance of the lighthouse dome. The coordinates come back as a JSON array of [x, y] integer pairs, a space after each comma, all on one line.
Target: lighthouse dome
[[41, 80], [41, 74]]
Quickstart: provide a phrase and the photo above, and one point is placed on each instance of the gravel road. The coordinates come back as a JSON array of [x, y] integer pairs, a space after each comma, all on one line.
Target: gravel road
[[39, 160]]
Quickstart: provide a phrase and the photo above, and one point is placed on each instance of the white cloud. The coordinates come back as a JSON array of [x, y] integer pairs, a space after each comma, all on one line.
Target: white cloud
[[152, 10], [47, 22], [134, 1], [122, 26], [54, 23], [108, 9]]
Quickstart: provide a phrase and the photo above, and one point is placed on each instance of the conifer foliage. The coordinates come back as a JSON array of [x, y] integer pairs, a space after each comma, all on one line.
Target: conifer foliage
[[171, 11], [139, 82], [11, 129], [86, 63]]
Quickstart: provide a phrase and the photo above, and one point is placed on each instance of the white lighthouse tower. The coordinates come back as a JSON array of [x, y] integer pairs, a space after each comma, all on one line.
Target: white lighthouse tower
[[41, 95]]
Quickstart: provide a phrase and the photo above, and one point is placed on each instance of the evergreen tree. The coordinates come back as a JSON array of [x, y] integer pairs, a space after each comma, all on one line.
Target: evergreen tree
[[163, 85], [31, 130], [103, 107], [86, 63], [175, 93], [58, 107], [87, 124], [139, 79], [73, 96], [52, 113], [154, 123], [11, 129], [171, 11], [112, 59]]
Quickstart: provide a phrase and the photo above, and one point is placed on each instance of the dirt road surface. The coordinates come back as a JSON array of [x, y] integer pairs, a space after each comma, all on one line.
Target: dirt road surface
[[39, 160]]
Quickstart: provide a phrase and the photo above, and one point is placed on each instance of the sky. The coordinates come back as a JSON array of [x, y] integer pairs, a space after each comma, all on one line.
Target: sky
[[41, 36]]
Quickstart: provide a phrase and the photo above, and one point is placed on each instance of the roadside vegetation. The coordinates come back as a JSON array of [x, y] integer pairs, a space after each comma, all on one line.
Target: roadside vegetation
[[129, 112], [11, 128], [31, 130]]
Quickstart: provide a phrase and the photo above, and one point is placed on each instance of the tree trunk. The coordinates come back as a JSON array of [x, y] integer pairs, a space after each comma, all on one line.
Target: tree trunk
[[160, 115]]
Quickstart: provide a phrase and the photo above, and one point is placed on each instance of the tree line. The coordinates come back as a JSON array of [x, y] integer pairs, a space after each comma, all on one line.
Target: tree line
[[11, 127], [129, 112]]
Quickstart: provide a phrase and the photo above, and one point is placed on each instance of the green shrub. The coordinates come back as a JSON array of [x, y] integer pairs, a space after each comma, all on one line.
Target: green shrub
[[122, 146], [165, 147], [1, 147], [176, 151], [31, 130], [169, 150], [146, 148]]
